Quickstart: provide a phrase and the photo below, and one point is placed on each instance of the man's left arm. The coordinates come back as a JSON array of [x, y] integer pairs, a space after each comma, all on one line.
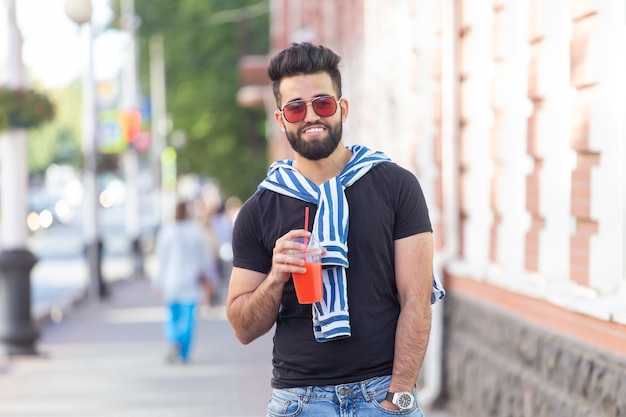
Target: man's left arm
[[413, 263]]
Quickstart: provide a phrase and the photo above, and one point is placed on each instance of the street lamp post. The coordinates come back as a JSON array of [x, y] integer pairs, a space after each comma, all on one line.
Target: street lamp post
[[164, 198], [130, 102], [17, 329], [80, 12]]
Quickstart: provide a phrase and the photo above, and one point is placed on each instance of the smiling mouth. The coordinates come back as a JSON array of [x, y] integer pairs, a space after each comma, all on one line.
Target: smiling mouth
[[314, 130]]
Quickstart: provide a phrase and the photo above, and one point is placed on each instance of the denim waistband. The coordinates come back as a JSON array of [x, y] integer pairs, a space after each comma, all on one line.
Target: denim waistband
[[367, 389]]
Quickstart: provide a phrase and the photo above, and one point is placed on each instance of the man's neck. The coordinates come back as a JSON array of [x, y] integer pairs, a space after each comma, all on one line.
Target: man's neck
[[324, 169]]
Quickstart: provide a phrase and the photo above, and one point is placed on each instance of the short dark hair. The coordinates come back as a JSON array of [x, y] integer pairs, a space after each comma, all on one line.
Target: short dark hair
[[300, 59], [182, 211]]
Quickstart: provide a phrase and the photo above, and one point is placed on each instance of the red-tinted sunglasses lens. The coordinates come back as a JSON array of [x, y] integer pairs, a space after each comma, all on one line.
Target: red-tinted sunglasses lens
[[294, 112], [323, 107]]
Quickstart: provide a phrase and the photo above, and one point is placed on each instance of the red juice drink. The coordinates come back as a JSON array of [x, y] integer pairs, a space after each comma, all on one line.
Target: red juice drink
[[309, 285]]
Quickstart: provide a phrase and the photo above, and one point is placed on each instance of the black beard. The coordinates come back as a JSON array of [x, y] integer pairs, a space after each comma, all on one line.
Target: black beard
[[319, 149]]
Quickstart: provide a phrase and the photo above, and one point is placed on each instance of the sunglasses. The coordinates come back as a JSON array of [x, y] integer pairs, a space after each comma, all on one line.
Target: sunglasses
[[323, 106]]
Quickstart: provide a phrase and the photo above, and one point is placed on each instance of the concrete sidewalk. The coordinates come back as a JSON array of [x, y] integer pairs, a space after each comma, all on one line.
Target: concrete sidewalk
[[108, 360]]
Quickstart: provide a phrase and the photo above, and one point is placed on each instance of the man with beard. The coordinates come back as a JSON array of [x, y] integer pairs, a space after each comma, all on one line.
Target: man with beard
[[371, 217]]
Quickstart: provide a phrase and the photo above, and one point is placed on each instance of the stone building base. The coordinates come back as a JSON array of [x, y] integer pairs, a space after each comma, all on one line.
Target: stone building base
[[500, 365]]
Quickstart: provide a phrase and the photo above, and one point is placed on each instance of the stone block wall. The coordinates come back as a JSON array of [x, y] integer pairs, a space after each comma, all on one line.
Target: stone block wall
[[499, 365]]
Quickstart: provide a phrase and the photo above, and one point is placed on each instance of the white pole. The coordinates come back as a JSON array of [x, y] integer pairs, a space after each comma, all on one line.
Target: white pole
[[80, 11], [159, 122], [13, 144], [433, 370], [91, 226], [13, 151], [130, 101]]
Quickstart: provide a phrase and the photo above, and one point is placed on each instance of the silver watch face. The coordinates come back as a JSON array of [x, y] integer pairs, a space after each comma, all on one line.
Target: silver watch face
[[404, 400]]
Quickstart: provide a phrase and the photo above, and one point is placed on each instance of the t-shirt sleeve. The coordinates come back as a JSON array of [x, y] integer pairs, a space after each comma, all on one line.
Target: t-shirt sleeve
[[249, 251], [411, 209]]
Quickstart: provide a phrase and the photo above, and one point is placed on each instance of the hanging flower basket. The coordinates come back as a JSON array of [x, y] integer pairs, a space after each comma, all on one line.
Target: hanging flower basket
[[24, 108]]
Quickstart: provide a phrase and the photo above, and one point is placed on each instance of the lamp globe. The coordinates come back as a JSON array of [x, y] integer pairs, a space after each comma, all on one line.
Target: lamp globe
[[79, 10]]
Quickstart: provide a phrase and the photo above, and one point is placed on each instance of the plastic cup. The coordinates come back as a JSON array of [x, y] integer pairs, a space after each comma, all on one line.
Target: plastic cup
[[309, 285]]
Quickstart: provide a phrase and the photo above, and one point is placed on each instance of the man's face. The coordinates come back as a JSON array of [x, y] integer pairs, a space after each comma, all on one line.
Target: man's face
[[314, 137]]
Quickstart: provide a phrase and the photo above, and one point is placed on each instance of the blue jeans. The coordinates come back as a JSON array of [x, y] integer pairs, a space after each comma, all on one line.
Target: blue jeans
[[179, 327], [360, 399]]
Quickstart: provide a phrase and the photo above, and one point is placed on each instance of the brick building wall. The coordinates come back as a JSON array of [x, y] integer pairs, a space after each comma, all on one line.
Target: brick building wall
[[542, 211], [511, 114]]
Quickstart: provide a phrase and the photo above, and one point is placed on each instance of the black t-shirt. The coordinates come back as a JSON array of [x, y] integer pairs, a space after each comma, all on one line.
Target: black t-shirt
[[386, 204]]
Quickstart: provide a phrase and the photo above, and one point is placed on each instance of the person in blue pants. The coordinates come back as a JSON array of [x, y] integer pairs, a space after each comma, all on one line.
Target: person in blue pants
[[183, 262]]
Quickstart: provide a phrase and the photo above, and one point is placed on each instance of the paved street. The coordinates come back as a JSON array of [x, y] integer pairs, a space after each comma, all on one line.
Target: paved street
[[60, 277], [108, 360]]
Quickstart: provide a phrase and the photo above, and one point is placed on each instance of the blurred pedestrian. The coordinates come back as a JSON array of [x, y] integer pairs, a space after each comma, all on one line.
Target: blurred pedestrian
[[184, 269], [217, 219]]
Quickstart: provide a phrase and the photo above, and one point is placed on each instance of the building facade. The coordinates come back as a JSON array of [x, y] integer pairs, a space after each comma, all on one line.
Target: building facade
[[511, 113]]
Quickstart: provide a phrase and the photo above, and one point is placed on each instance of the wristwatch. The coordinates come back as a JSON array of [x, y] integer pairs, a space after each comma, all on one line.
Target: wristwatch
[[404, 400]]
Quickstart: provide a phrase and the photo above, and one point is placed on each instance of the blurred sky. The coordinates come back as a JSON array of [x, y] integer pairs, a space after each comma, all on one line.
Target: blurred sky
[[53, 50]]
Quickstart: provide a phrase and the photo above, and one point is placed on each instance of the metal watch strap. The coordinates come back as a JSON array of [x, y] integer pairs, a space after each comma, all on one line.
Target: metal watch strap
[[389, 396]]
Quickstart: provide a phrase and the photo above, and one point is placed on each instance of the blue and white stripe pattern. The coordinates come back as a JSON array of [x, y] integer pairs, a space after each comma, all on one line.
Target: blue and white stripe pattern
[[438, 291], [331, 319]]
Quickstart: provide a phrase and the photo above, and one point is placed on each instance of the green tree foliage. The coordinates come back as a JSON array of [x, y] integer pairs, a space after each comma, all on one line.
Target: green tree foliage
[[203, 42], [58, 141]]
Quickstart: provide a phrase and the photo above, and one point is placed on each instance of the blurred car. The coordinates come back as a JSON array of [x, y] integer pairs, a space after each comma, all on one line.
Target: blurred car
[[46, 210]]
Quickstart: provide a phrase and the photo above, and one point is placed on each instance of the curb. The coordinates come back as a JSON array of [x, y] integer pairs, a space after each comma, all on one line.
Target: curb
[[53, 311]]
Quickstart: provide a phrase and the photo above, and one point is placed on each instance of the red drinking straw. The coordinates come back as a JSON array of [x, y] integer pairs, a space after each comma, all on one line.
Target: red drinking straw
[[306, 223]]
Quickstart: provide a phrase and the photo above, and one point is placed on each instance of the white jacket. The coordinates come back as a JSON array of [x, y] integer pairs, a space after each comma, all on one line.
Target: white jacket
[[182, 255]]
